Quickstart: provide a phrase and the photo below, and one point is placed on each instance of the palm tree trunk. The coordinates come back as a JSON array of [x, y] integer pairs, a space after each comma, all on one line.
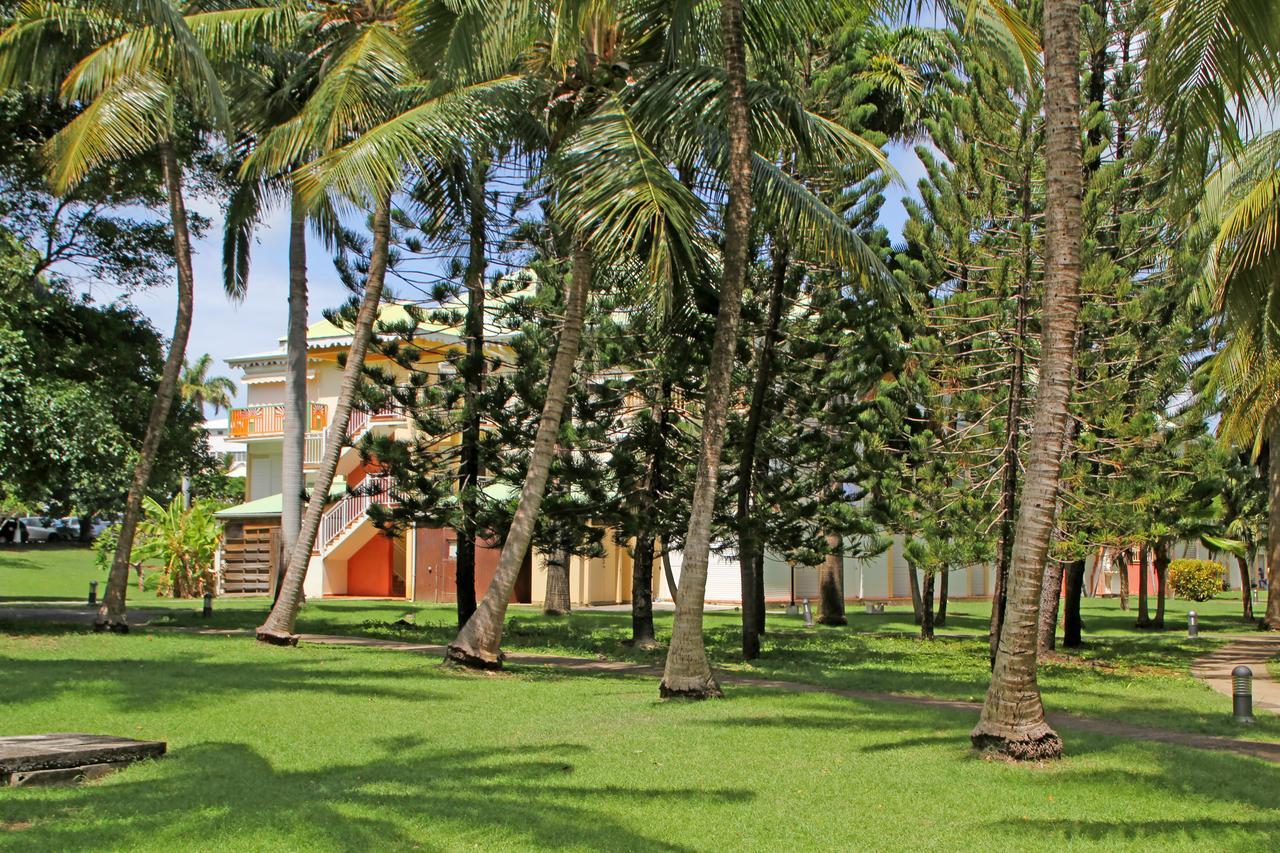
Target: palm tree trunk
[[278, 627], [1144, 565], [1072, 625], [479, 642], [747, 539], [1012, 721], [297, 418], [687, 672], [111, 615], [1271, 619], [556, 602], [473, 379], [1050, 600], [1246, 590], [831, 583]]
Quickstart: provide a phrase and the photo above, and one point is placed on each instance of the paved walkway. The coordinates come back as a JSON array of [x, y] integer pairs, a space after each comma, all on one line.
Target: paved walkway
[[1253, 651]]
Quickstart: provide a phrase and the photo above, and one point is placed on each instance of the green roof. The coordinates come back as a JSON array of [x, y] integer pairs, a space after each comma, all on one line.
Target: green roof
[[273, 504]]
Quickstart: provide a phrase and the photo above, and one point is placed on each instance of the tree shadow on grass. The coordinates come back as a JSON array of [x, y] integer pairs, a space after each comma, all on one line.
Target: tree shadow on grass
[[230, 796], [190, 680], [1245, 790]]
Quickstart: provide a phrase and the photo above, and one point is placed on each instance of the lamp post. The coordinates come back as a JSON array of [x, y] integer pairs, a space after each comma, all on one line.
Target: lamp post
[[1193, 625], [93, 593]]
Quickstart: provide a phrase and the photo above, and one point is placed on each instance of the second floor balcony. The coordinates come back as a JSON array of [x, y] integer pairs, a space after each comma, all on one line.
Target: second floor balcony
[[267, 421]]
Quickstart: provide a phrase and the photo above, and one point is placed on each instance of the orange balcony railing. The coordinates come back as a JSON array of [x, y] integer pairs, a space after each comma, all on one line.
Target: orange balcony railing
[[258, 421]]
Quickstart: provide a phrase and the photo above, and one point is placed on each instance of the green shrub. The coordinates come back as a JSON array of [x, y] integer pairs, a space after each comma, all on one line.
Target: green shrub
[[1198, 580], [183, 543]]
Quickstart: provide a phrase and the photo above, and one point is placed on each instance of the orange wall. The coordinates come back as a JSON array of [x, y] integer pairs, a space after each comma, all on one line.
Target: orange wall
[[369, 569]]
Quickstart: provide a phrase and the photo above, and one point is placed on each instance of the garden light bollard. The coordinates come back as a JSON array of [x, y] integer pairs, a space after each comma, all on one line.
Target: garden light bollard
[[208, 605], [93, 593], [1242, 694], [1193, 625], [808, 615]]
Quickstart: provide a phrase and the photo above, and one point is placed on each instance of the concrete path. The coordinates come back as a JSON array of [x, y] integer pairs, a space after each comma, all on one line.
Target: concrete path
[[81, 615], [1253, 651]]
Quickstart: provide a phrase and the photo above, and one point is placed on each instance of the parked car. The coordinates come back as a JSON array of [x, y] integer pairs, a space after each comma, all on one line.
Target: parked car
[[70, 527], [36, 528]]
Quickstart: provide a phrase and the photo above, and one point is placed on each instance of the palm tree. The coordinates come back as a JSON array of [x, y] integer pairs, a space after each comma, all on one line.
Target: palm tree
[[200, 388], [376, 110], [687, 672], [269, 87], [1220, 66], [135, 66], [1241, 273], [622, 112], [1012, 721]]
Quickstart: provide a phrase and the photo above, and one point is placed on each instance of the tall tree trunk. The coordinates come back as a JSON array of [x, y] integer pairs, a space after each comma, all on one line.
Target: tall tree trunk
[[926, 611], [756, 415], [1012, 721], [667, 570], [1050, 599], [479, 643], [1246, 590], [473, 380], [687, 672], [278, 627], [1162, 568], [111, 614], [297, 418], [557, 602], [831, 583], [1072, 626], [913, 581], [642, 633], [944, 592], [1012, 430], [1144, 565], [1271, 619], [1124, 580]]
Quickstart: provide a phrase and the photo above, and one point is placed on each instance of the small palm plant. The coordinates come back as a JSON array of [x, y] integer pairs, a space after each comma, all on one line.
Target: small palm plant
[[183, 542]]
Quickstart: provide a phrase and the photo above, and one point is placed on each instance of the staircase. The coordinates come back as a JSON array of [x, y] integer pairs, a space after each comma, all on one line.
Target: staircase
[[342, 519]]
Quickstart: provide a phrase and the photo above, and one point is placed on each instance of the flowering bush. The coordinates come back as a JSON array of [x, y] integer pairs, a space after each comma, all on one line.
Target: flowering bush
[[1198, 580]]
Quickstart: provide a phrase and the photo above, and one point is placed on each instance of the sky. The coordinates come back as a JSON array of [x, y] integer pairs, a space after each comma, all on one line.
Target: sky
[[226, 329]]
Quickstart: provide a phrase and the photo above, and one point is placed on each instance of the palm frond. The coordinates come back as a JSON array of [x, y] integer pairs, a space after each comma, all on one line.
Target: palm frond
[[122, 121], [621, 197], [435, 127]]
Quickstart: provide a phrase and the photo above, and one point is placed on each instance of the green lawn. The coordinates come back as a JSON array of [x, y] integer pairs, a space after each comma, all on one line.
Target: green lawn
[[327, 748], [46, 572], [1123, 674]]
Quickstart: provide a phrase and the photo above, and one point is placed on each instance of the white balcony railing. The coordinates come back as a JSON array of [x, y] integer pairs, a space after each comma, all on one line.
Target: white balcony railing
[[348, 511]]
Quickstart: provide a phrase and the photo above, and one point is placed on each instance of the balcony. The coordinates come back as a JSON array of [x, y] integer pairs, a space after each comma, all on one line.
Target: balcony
[[268, 421]]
